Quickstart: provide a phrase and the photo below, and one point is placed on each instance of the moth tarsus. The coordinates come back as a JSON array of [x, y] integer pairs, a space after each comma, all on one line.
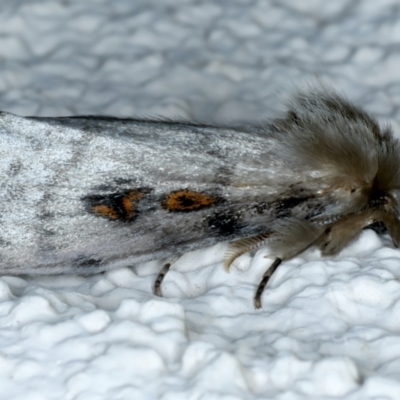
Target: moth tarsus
[[267, 274], [161, 276]]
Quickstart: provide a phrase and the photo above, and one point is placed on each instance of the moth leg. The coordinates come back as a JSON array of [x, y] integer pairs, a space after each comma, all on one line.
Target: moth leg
[[292, 237], [392, 225], [241, 246], [264, 281], [161, 276], [339, 234]]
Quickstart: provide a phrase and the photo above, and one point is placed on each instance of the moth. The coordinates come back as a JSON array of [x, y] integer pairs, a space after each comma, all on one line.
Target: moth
[[82, 195]]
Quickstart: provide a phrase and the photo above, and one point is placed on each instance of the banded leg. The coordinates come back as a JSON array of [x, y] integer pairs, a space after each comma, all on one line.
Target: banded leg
[[264, 281], [161, 276], [292, 236]]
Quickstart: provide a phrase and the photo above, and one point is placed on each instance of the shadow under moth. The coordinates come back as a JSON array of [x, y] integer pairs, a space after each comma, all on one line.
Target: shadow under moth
[[81, 195]]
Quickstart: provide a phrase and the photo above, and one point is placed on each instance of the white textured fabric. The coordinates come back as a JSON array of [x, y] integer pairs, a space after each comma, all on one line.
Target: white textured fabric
[[329, 328]]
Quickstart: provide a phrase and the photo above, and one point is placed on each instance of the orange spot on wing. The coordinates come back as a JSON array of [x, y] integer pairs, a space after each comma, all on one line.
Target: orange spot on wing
[[105, 211], [117, 206], [187, 200], [128, 202]]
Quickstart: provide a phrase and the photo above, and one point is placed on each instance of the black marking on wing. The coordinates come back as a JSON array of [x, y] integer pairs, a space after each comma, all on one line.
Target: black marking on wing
[[119, 206], [117, 184], [224, 223], [284, 207], [83, 261]]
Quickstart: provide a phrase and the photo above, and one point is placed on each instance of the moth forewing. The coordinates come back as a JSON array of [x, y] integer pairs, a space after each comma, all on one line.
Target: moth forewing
[[87, 194]]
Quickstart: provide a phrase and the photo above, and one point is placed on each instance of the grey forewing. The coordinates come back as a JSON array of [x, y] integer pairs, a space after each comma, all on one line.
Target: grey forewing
[[89, 193]]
